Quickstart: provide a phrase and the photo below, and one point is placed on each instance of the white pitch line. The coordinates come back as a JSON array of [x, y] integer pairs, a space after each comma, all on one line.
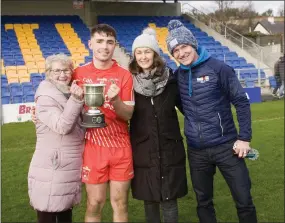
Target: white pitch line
[[269, 119]]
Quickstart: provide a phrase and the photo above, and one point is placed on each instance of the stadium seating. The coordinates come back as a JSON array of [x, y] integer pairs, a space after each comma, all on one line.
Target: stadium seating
[[4, 79], [29, 96], [28, 40], [5, 98], [4, 88], [136, 24], [16, 99], [15, 89], [249, 83], [27, 87]]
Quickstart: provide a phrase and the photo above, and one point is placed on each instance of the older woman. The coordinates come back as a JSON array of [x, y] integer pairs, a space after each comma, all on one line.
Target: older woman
[[55, 170]]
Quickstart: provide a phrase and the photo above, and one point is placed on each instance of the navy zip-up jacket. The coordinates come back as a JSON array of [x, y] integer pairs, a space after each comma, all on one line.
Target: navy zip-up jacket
[[208, 87]]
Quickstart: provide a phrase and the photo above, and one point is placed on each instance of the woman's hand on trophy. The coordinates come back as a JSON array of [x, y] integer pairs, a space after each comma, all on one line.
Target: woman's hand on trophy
[[113, 92], [33, 115], [76, 91]]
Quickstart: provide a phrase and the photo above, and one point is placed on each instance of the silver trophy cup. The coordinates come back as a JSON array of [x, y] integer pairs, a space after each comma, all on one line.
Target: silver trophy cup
[[94, 98]]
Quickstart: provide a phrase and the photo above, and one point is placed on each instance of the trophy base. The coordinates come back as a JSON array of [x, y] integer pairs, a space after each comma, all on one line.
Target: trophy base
[[93, 120], [88, 125]]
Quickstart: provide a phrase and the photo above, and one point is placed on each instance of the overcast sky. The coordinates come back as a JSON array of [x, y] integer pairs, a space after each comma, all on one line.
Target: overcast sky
[[260, 6], [210, 6]]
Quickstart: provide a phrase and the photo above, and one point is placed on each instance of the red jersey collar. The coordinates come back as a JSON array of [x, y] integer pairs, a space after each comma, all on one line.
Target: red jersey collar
[[115, 64]]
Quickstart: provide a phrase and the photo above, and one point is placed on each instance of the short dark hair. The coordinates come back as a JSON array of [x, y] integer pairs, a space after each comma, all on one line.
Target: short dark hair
[[158, 62], [104, 28]]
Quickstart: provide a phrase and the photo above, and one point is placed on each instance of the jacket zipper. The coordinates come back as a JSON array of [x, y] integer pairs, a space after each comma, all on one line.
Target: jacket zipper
[[221, 124], [162, 177], [199, 123]]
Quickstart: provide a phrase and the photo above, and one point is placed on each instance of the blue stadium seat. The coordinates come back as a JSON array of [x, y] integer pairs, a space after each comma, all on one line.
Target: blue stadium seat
[[15, 89], [249, 83], [17, 99], [5, 99], [4, 79], [35, 86], [35, 75], [262, 74], [36, 78], [27, 87], [29, 97], [36, 81], [4, 88]]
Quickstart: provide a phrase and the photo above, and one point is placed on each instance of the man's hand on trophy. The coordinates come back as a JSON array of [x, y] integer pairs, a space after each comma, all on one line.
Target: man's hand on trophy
[[76, 91], [113, 92]]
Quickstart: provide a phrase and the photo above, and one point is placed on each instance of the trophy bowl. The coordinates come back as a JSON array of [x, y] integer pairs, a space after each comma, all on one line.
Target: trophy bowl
[[93, 98]]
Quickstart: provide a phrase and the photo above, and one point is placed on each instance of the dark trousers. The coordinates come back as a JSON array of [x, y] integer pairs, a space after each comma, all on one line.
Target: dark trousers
[[55, 217], [169, 211], [203, 164]]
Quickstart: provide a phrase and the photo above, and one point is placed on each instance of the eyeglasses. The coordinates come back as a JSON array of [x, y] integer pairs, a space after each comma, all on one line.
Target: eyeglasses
[[58, 71]]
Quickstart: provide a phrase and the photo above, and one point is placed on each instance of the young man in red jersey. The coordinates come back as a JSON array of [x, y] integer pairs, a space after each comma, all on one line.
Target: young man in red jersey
[[107, 154]]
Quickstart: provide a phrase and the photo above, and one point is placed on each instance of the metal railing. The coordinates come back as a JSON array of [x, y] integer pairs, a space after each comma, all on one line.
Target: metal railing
[[260, 80], [246, 44]]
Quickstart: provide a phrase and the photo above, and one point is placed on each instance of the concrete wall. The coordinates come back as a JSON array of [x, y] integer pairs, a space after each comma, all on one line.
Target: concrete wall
[[273, 54], [41, 7], [133, 9], [136, 8], [91, 9]]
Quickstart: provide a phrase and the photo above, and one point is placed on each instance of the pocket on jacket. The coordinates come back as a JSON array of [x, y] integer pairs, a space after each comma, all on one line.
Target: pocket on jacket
[[137, 140], [175, 149], [171, 136], [55, 159], [141, 151]]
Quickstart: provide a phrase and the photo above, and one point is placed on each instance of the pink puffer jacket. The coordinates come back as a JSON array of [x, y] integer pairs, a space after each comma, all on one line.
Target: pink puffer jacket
[[54, 178]]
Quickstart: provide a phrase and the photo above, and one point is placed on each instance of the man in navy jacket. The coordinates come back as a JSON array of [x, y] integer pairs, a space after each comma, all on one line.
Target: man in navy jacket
[[208, 87]]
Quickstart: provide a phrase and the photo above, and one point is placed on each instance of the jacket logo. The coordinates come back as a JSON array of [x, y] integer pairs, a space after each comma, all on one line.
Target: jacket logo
[[203, 79]]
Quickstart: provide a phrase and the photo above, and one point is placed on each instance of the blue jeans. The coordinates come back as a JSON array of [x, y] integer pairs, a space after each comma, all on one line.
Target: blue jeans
[[203, 164]]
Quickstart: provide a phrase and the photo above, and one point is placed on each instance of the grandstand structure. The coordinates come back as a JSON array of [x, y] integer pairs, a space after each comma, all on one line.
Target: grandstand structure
[[37, 29]]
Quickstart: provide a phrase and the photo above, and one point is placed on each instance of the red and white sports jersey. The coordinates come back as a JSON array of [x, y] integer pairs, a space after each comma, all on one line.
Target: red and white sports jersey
[[115, 134]]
